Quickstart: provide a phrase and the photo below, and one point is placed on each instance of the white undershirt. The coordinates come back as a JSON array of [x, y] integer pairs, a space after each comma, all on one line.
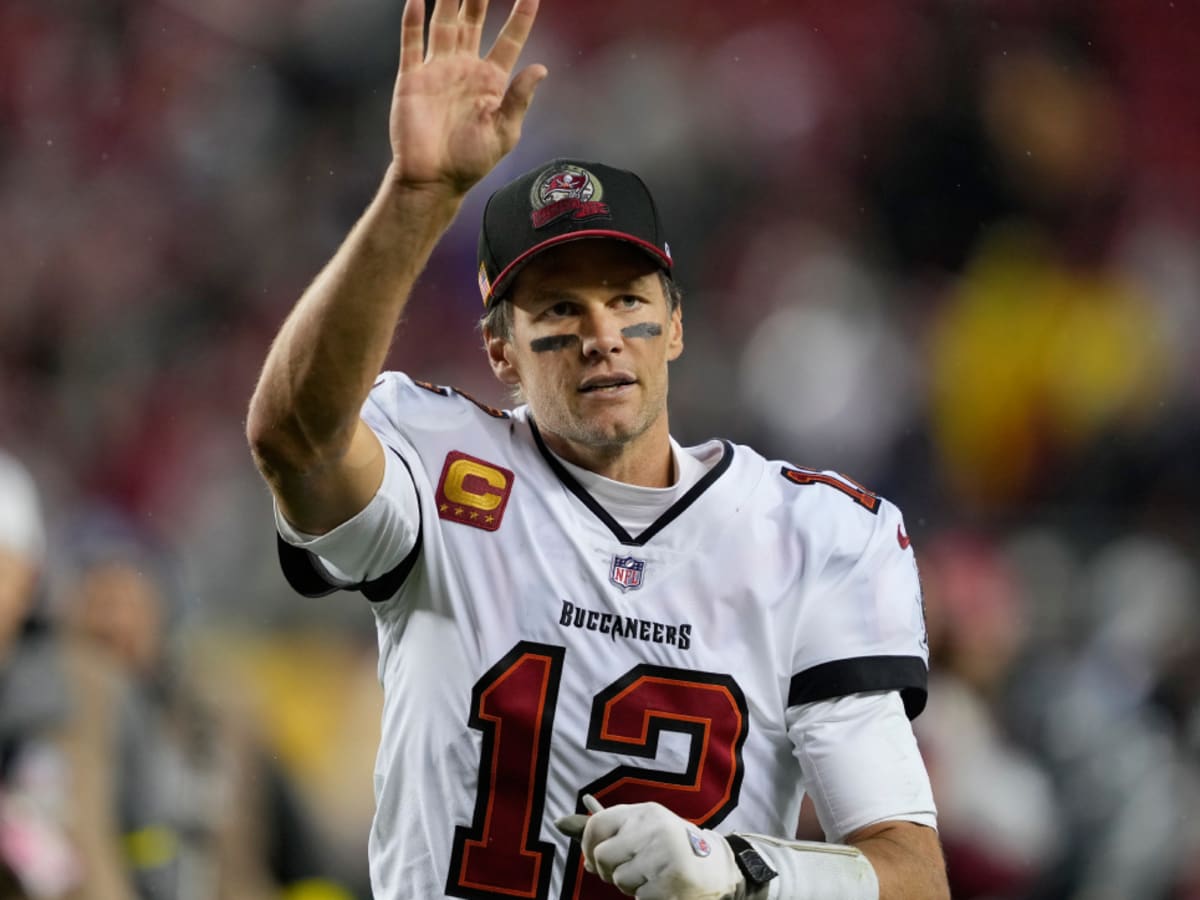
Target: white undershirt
[[635, 507]]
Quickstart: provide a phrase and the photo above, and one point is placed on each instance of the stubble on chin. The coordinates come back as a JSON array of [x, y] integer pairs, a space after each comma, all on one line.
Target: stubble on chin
[[606, 434]]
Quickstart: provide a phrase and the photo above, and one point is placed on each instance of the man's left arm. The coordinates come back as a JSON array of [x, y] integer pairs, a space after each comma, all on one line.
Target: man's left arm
[[907, 859], [863, 770], [648, 852]]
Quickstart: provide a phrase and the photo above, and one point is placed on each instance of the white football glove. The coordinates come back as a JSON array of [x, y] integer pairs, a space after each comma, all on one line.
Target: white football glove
[[648, 852]]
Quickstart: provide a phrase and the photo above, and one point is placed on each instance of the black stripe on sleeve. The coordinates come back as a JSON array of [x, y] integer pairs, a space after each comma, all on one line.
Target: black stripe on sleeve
[[382, 588], [302, 571], [305, 575], [906, 674]]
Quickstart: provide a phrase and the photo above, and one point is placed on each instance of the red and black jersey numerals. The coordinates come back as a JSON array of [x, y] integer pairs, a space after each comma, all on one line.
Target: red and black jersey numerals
[[513, 704], [629, 716], [868, 500]]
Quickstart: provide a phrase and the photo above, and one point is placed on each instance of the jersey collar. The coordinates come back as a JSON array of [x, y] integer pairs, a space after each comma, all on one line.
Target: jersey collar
[[672, 512]]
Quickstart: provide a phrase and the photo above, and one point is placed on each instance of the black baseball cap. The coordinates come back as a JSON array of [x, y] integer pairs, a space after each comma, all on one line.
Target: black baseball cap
[[559, 201]]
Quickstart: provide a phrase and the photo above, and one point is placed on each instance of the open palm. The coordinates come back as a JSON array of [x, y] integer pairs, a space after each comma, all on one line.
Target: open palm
[[454, 113]]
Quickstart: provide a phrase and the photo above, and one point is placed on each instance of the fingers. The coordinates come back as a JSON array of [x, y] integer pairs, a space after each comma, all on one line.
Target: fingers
[[443, 28], [613, 837], [513, 35], [572, 826], [600, 827], [454, 27], [625, 846], [471, 16], [619, 853], [517, 99], [412, 35], [630, 878]]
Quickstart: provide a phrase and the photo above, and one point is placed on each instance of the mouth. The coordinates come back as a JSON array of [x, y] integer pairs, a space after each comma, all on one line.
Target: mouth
[[607, 384]]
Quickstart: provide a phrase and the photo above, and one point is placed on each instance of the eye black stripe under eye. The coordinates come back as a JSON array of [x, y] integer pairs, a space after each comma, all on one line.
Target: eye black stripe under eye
[[642, 330], [552, 342]]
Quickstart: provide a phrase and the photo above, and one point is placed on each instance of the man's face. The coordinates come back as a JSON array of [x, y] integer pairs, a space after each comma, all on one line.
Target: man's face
[[121, 608], [591, 339]]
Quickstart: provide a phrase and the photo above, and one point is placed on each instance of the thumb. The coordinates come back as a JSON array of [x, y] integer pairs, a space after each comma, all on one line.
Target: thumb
[[572, 826], [518, 97]]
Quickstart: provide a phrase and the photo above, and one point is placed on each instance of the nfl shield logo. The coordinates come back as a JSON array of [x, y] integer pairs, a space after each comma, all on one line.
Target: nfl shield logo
[[626, 572]]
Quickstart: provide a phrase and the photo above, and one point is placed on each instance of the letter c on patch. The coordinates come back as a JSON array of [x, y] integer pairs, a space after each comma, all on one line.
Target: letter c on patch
[[464, 480]]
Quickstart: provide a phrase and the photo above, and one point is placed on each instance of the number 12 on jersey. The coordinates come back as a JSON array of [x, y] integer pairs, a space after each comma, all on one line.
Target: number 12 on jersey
[[500, 854]]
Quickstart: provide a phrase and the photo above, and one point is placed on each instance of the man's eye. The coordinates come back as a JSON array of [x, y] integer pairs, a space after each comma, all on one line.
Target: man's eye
[[562, 308], [630, 300]]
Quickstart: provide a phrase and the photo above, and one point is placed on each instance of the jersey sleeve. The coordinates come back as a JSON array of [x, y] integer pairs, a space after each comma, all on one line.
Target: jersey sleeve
[[373, 551], [861, 626], [860, 763]]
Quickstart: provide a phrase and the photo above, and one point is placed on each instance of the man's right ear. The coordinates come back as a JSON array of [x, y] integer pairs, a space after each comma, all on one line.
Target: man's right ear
[[499, 351]]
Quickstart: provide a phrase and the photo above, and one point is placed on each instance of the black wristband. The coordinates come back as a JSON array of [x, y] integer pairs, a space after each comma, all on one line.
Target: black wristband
[[753, 867]]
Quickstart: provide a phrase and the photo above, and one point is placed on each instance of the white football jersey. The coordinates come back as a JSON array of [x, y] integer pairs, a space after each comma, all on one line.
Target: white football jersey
[[532, 651]]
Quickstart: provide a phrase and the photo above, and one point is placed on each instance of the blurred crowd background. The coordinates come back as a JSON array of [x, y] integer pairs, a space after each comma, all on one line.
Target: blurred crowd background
[[949, 247]]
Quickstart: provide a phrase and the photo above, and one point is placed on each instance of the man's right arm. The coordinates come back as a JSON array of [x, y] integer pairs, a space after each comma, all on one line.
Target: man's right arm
[[321, 460], [454, 115]]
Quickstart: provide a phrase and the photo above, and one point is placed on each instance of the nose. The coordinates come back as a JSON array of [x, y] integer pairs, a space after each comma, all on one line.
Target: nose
[[601, 333]]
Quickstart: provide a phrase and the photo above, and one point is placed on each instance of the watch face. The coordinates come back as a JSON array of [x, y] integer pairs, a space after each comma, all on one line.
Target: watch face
[[753, 866]]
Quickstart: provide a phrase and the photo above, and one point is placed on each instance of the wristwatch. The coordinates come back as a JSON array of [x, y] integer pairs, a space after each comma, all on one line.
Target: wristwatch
[[753, 867]]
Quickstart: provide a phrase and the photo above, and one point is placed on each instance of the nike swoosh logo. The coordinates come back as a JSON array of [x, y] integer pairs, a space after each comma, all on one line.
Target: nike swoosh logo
[[903, 538]]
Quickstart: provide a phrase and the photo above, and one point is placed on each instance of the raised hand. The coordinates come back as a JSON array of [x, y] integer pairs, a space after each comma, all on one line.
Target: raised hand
[[454, 113]]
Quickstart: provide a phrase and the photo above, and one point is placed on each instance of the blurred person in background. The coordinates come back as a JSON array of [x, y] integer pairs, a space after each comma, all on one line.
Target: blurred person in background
[[213, 815], [1000, 823], [63, 717], [1008, 189], [1109, 714]]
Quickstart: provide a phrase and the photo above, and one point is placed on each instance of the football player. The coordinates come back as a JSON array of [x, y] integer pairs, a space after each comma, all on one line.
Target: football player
[[660, 648]]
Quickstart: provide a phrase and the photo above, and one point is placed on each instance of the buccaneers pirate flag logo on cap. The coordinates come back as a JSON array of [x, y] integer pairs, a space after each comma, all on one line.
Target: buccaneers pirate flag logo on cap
[[566, 191]]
